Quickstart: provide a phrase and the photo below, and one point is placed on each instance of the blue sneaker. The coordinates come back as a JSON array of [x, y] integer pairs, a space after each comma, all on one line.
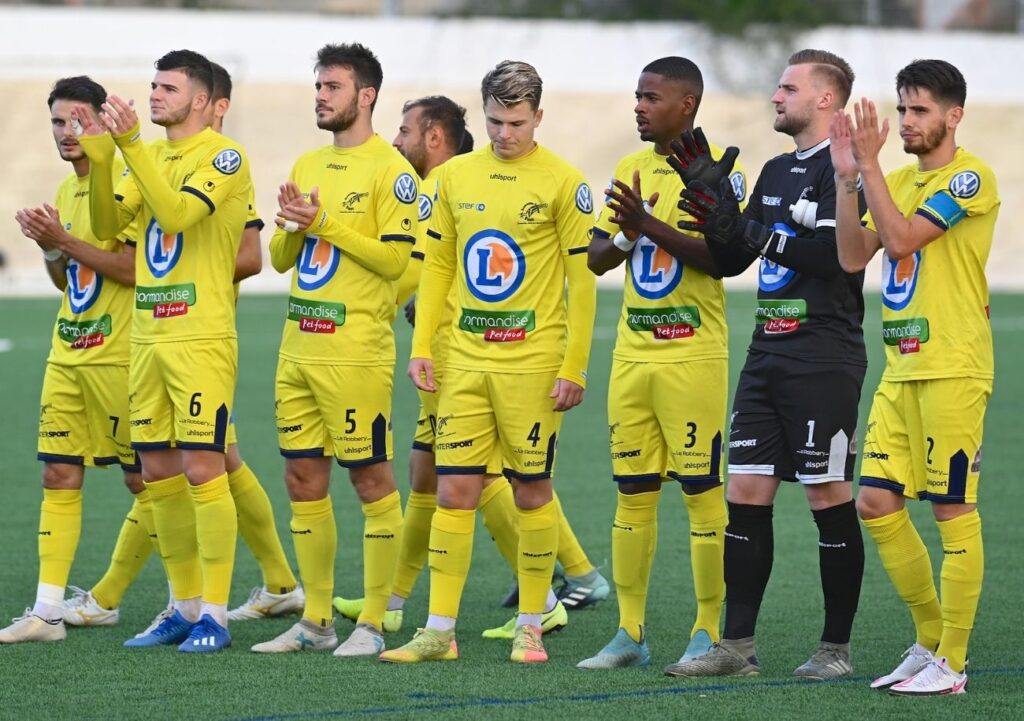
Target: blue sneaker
[[171, 630], [207, 636], [582, 591], [699, 645], [621, 652]]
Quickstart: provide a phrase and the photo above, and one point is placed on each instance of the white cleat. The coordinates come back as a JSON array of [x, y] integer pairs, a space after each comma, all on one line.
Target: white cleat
[[365, 640], [935, 679], [264, 604], [914, 660], [303, 636], [82, 610], [30, 627]]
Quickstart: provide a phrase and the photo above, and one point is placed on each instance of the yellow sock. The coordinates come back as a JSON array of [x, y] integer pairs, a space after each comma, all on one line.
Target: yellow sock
[[130, 553], [258, 530], [708, 518], [316, 541], [498, 505], [905, 559], [451, 550], [217, 533], [634, 540], [963, 567], [382, 540], [60, 526], [570, 553], [419, 512], [538, 546], [174, 518]]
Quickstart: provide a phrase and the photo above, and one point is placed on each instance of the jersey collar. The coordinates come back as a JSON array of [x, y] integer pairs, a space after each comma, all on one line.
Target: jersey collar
[[805, 154]]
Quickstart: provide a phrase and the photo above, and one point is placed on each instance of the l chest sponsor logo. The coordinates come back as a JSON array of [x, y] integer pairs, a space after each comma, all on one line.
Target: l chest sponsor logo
[[163, 250], [495, 266], [655, 273], [317, 263], [899, 280], [84, 285], [770, 275]]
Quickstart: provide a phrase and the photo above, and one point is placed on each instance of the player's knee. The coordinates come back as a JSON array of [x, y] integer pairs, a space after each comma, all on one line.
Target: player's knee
[[372, 483], [532, 494], [232, 458], [133, 482], [949, 511], [876, 502], [631, 489], [62, 476]]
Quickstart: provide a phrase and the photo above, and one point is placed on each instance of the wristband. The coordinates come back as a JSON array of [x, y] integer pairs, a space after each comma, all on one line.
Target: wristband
[[290, 226], [621, 242], [52, 255]]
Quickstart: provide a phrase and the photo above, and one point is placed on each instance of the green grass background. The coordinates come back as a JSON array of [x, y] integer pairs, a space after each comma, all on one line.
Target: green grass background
[[90, 676]]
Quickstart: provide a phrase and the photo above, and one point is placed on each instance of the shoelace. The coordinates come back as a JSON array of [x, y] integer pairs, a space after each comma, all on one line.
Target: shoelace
[[254, 594], [531, 640], [78, 597]]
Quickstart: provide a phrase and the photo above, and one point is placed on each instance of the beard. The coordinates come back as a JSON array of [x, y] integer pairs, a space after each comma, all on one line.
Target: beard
[[792, 124], [173, 117], [417, 157], [929, 141], [341, 120]]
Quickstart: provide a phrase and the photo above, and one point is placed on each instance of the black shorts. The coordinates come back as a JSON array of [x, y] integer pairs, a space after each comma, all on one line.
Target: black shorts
[[794, 419]]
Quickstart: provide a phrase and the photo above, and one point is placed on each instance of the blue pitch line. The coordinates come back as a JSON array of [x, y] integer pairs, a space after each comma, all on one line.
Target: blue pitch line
[[484, 702]]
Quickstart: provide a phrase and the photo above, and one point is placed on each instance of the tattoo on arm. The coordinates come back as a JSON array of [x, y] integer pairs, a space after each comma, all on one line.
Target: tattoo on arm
[[851, 186]]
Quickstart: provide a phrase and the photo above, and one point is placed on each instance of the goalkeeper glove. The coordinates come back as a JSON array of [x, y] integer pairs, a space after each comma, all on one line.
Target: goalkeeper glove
[[691, 158], [717, 217]]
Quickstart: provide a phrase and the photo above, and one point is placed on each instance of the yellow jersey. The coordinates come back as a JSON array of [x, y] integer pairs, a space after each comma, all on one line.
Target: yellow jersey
[[192, 196], [94, 322], [935, 308], [344, 266], [670, 312], [509, 234]]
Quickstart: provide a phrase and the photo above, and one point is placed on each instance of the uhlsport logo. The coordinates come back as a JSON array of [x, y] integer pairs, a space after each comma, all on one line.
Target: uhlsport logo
[[406, 189], [965, 184], [228, 161], [494, 265], [84, 286], [739, 186], [655, 273], [770, 275], [899, 280], [162, 249], [317, 263], [584, 199], [426, 207]]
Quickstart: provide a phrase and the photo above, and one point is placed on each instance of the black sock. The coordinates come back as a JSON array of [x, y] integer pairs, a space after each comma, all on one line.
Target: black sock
[[749, 552], [841, 558]]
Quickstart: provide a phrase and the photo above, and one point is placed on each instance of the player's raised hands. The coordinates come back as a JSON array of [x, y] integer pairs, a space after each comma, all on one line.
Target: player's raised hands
[[867, 137], [566, 394], [841, 147], [84, 121], [715, 211], [631, 210], [42, 225], [421, 371], [296, 213], [691, 158], [118, 115]]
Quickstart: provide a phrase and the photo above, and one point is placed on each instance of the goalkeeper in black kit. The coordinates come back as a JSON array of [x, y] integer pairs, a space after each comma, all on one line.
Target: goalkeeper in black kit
[[795, 407]]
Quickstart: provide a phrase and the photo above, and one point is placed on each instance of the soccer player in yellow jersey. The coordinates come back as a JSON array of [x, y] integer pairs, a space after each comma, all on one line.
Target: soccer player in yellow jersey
[[672, 340], [509, 229], [279, 594], [83, 413], [346, 226], [933, 220], [192, 192]]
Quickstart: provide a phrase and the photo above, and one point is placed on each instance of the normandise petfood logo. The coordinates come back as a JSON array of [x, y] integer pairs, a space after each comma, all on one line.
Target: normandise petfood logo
[[166, 301], [907, 335], [82, 334], [780, 316], [498, 326], [665, 323], [315, 316]]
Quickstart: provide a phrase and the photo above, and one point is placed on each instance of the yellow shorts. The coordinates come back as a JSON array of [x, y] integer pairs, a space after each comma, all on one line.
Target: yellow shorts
[[667, 420], [83, 416], [325, 410], [486, 416], [426, 431], [923, 438], [231, 438], [182, 393]]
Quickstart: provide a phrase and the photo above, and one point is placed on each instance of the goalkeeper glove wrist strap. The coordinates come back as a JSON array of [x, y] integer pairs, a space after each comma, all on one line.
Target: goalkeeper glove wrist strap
[[760, 239]]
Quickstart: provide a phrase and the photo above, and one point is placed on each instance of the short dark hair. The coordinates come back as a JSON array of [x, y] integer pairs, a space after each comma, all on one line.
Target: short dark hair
[[943, 80], [830, 66], [467, 143], [221, 82], [442, 111], [81, 89], [195, 66], [681, 70], [356, 57]]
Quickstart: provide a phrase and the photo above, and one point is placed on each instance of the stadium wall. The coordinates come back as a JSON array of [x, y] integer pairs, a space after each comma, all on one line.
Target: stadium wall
[[589, 70]]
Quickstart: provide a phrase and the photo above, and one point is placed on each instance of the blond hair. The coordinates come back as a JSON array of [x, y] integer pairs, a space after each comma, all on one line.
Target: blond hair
[[512, 82]]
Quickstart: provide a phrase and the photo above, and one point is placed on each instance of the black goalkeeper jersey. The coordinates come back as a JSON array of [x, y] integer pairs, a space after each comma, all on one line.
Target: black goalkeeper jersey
[[807, 306]]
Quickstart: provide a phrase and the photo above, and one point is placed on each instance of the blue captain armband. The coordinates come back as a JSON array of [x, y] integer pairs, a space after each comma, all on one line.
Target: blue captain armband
[[942, 210]]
